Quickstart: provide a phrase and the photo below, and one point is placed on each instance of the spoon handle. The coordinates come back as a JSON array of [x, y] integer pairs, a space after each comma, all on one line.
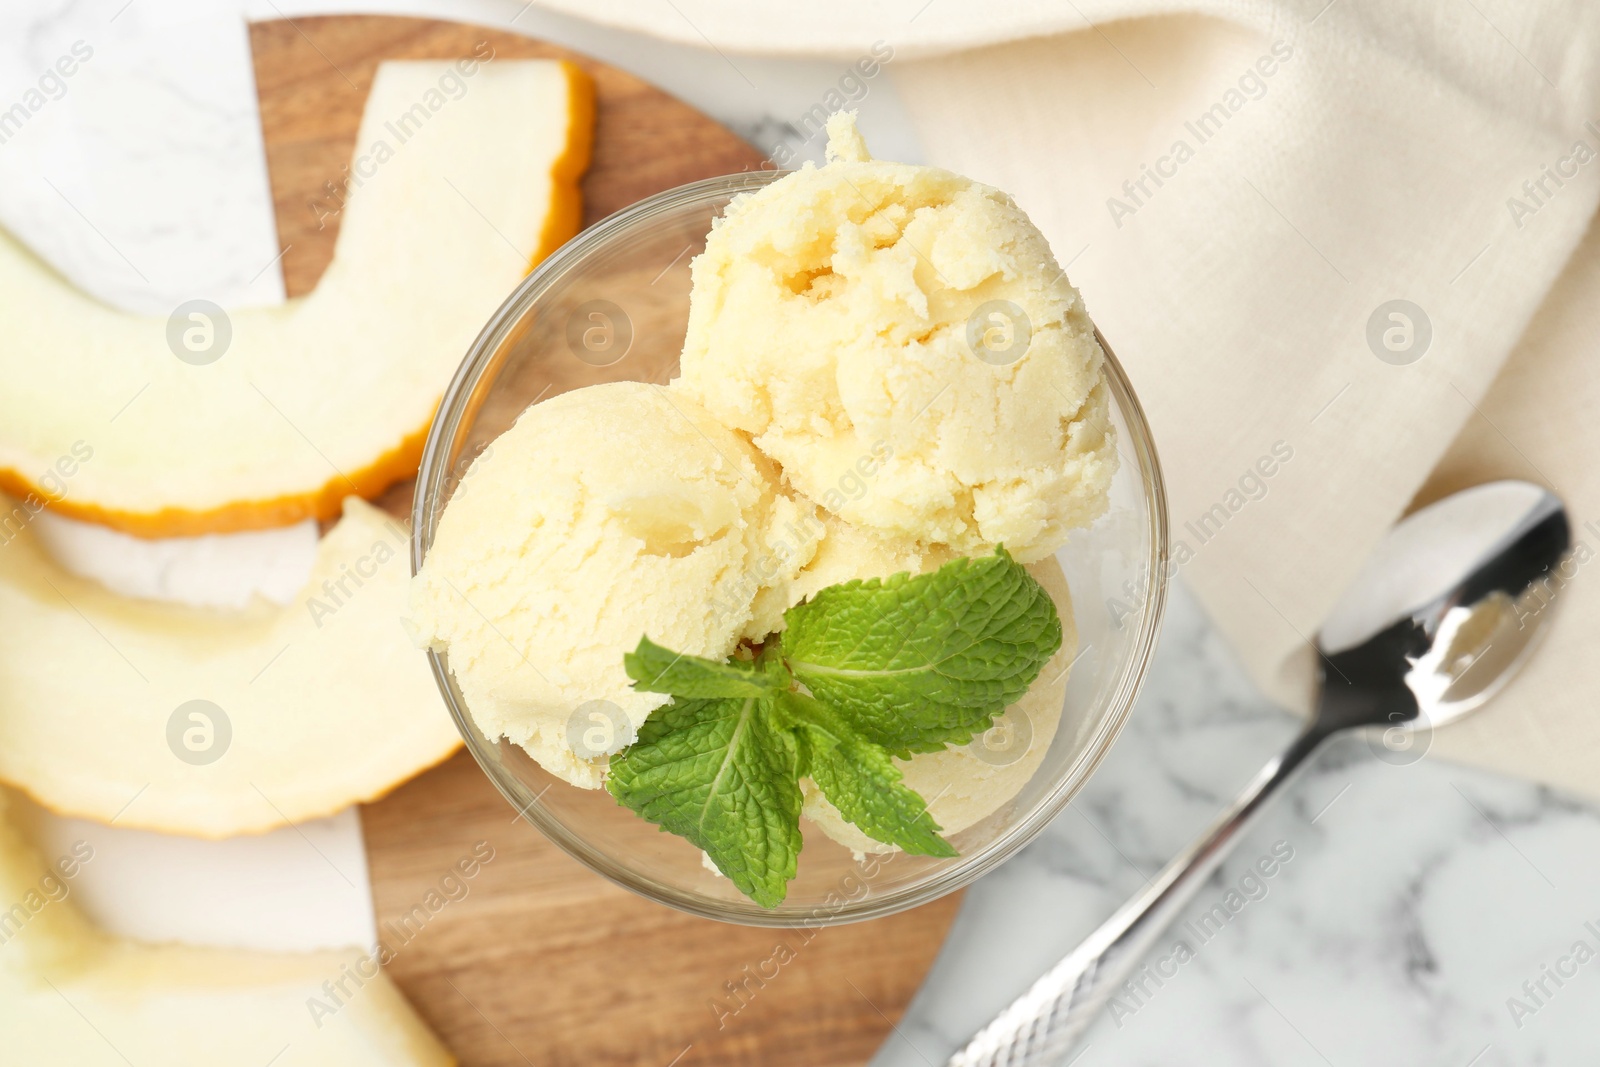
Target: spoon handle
[[1040, 1026]]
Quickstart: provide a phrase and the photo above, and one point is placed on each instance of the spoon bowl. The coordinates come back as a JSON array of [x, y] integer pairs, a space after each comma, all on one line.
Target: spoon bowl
[[1444, 613]]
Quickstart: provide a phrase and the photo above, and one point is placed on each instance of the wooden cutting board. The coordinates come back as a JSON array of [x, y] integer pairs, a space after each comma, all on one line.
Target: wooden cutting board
[[536, 960]]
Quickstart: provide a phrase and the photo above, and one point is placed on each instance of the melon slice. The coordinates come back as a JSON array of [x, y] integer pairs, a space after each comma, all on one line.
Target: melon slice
[[70, 993], [459, 183], [308, 707]]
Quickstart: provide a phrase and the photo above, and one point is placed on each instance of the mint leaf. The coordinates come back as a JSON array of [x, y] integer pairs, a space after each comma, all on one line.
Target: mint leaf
[[723, 774], [660, 670], [918, 663], [862, 781]]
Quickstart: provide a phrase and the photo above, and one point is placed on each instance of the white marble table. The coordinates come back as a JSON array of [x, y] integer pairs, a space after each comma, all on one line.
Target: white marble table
[[1425, 914]]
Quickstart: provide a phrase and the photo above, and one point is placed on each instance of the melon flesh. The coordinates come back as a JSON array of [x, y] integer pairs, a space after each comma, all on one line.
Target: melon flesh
[[70, 993], [329, 394], [326, 701]]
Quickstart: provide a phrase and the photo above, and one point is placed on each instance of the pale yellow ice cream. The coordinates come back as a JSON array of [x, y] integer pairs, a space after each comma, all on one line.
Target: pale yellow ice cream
[[909, 329], [965, 784], [848, 552], [603, 515]]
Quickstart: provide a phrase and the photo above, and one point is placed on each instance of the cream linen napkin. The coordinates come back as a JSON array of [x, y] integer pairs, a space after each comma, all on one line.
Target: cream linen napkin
[[1242, 190], [1384, 159]]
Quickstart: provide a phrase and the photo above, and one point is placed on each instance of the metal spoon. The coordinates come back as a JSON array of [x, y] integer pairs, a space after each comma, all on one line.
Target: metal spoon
[[1445, 612]]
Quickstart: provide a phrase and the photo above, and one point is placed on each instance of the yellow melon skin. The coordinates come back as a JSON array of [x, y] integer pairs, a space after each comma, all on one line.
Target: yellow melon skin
[[393, 466], [72, 994], [325, 702], [332, 393]]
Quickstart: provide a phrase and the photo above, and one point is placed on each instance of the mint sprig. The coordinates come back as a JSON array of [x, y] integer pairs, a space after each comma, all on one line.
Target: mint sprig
[[920, 663], [863, 671]]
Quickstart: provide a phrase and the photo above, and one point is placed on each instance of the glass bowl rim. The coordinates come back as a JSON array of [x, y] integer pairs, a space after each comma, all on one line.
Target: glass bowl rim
[[435, 468]]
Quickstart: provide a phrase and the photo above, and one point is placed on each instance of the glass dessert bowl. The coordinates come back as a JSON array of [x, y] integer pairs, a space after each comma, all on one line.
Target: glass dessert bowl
[[612, 305]]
